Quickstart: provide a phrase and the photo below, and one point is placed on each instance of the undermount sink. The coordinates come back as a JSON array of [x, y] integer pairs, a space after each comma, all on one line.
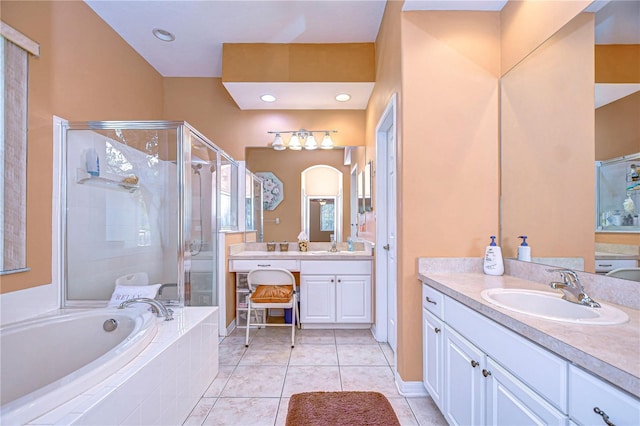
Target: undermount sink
[[551, 306]]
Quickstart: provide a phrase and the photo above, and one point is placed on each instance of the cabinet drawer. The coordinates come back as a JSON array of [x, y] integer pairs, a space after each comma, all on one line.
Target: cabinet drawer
[[432, 300], [587, 392], [606, 265], [246, 265], [337, 267]]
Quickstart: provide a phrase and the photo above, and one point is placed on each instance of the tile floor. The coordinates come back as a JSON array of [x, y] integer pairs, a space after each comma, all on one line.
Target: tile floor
[[254, 384]]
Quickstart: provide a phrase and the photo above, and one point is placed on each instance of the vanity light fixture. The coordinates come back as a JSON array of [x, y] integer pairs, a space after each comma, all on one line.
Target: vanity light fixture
[[343, 97], [163, 35], [302, 139], [268, 98]]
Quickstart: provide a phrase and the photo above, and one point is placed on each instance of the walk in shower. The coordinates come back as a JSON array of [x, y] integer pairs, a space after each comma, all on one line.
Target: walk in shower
[[141, 200]]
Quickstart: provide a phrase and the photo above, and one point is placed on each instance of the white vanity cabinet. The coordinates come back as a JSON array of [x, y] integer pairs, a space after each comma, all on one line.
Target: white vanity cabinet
[[591, 400], [433, 342], [480, 373], [335, 292]]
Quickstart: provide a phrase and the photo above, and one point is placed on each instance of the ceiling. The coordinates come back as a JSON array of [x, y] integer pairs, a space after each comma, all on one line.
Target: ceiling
[[202, 26]]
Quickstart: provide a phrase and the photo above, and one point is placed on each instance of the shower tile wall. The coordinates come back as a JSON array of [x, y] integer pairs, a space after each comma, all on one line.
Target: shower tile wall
[[110, 231]]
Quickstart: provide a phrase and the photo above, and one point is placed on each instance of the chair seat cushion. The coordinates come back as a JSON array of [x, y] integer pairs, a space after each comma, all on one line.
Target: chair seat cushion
[[272, 294]]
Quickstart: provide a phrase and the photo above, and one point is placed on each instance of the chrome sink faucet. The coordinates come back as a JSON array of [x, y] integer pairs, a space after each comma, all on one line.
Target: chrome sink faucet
[[158, 308], [572, 288]]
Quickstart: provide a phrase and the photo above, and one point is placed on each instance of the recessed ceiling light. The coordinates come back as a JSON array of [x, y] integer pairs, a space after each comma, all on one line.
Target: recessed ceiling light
[[163, 35], [268, 98], [343, 97]]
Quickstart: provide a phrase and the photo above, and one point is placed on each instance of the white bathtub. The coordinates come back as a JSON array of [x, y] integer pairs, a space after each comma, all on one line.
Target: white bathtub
[[48, 361]]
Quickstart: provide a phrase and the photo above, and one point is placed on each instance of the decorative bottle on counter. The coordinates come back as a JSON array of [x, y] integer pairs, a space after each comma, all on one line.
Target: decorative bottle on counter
[[493, 263]]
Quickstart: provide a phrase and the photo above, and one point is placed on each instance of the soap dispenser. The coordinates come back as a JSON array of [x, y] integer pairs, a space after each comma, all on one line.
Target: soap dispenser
[[524, 251], [493, 263]]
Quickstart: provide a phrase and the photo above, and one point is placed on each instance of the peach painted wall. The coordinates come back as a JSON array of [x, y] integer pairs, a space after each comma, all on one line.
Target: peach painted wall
[[85, 72], [548, 147], [288, 165], [526, 24], [618, 128], [206, 105], [449, 155]]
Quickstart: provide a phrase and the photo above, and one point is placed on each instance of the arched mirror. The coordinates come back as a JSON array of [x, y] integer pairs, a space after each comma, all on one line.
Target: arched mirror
[[322, 202]]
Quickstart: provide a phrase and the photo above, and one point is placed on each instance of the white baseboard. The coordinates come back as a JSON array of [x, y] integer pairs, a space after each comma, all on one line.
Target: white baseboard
[[410, 389], [231, 327]]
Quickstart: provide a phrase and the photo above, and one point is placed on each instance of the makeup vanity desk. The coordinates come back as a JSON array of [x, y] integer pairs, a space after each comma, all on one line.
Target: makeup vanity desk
[[335, 287]]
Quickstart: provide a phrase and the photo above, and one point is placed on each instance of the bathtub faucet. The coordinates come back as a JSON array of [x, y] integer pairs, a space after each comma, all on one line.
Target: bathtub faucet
[[156, 307]]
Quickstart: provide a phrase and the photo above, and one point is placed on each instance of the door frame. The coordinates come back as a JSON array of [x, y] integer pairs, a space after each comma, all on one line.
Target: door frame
[[386, 122]]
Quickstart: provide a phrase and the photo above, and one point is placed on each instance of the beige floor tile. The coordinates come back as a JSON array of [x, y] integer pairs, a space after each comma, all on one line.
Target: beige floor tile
[[281, 419], [315, 337], [358, 336], [403, 411], [369, 378], [310, 379], [273, 338], [314, 355], [255, 381], [200, 411], [426, 411], [361, 355], [230, 354], [243, 411], [388, 353], [277, 354], [216, 386]]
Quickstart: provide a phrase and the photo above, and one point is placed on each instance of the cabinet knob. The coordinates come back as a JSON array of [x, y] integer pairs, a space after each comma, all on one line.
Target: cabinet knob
[[605, 418], [486, 373], [431, 301], [339, 280], [474, 363], [437, 330]]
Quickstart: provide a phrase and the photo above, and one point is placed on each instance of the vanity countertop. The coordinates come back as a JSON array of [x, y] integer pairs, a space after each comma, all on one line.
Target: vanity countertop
[[610, 352], [299, 255], [316, 251]]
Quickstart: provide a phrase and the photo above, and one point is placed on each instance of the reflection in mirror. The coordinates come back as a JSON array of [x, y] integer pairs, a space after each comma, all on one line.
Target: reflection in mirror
[[322, 218], [549, 133], [322, 202], [367, 181], [284, 223]]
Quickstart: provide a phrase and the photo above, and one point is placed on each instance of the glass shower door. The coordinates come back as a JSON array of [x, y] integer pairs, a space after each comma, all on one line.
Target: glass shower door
[[202, 229]]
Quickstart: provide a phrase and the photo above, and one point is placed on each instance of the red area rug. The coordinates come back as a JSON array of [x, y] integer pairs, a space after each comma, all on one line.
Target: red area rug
[[340, 409]]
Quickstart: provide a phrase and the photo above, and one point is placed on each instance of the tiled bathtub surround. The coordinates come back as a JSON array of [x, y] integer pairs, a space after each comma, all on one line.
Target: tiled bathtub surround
[[610, 352], [161, 386]]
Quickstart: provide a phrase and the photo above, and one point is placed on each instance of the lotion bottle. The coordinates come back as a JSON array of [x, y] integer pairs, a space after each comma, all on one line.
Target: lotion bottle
[[524, 251], [493, 263], [92, 161]]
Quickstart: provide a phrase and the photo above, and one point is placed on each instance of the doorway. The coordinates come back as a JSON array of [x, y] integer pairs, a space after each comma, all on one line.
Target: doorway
[[386, 240]]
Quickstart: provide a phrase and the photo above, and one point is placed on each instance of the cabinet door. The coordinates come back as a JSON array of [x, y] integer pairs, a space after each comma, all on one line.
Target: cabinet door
[[317, 298], [432, 362], [353, 298], [464, 396], [511, 402]]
